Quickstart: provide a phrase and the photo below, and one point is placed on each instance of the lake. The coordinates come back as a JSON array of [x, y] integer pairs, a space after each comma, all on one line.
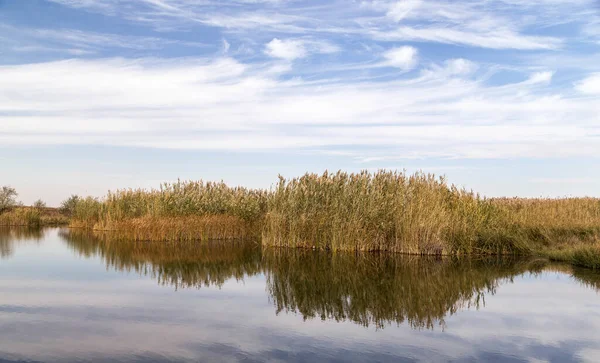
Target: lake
[[70, 296]]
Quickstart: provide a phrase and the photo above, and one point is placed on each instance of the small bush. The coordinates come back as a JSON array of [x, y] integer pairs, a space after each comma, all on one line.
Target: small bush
[[39, 204]]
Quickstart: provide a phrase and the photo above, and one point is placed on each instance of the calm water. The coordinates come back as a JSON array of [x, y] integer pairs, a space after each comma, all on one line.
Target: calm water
[[67, 296]]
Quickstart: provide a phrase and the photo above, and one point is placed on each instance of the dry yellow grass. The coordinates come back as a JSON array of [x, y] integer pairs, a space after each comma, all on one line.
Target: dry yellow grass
[[192, 228], [559, 213], [32, 217]]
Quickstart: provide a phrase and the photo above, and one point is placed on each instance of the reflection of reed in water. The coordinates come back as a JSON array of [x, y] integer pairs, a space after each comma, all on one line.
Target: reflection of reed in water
[[9, 236], [380, 288], [181, 264], [367, 289], [587, 277]]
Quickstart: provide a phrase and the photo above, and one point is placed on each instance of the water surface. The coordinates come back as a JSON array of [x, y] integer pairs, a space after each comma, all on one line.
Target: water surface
[[70, 296]]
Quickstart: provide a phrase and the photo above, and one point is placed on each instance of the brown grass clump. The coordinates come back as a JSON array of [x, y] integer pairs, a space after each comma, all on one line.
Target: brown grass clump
[[24, 217]]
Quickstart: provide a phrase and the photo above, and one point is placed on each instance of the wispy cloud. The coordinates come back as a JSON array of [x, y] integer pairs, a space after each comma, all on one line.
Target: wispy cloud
[[87, 39], [78, 42], [499, 39], [540, 77], [477, 23]]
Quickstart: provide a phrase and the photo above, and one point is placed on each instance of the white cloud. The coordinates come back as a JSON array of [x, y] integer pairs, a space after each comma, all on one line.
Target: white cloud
[[225, 46], [405, 57], [290, 49], [227, 105], [590, 85], [460, 66], [285, 49], [541, 77]]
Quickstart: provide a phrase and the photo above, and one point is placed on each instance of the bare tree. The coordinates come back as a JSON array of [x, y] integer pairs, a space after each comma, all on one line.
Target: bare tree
[[39, 204]]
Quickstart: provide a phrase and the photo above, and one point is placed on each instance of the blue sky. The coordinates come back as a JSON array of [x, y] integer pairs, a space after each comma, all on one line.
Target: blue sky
[[501, 96]]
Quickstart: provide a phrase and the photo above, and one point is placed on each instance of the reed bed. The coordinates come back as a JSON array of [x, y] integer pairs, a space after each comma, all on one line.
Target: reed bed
[[382, 211], [23, 217], [391, 211], [182, 210]]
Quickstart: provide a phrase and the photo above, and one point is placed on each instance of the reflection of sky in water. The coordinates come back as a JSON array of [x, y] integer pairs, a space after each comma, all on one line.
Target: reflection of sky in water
[[56, 306]]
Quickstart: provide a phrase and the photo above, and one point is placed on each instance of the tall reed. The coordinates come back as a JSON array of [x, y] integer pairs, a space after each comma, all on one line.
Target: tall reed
[[387, 210], [181, 210]]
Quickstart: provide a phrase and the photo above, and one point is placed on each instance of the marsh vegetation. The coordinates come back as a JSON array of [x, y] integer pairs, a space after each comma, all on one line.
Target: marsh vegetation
[[382, 211], [182, 211]]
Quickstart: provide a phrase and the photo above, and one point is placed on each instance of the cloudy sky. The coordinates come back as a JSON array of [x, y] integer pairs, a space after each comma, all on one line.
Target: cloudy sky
[[501, 96]]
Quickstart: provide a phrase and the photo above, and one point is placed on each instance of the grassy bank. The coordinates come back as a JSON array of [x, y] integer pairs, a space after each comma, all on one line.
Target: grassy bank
[[583, 256], [566, 230], [383, 211]]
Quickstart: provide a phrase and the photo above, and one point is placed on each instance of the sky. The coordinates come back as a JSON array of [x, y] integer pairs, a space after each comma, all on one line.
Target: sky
[[502, 96]]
